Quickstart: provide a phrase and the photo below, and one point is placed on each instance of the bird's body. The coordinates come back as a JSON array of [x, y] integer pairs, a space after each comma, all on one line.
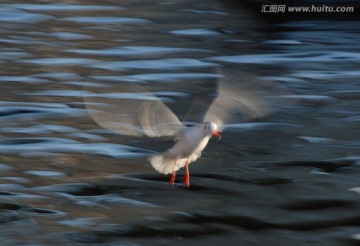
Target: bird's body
[[191, 142]]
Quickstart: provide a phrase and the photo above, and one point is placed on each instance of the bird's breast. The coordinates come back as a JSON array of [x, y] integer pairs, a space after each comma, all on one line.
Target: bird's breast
[[191, 143]]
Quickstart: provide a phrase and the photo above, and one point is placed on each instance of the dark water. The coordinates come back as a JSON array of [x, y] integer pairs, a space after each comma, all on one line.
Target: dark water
[[290, 178]]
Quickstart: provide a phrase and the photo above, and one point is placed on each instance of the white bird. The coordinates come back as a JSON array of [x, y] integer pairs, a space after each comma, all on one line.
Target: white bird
[[137, 112], [191, 142]]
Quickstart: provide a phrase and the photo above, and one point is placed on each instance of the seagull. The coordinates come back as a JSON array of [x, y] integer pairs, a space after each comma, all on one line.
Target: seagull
[[135, 111], [191, 142]]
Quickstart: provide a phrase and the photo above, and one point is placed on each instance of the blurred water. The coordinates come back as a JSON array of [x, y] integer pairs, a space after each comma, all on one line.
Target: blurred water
[[288, 178]]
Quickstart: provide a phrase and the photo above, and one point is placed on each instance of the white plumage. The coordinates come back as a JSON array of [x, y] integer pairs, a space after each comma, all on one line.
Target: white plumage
[[191, 142], [135, 111]]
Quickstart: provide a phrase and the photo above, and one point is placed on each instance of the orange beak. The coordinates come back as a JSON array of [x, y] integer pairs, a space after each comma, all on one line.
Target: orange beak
[[217, 134]]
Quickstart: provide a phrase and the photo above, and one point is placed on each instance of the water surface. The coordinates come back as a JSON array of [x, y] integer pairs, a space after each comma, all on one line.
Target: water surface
[[289, 178]]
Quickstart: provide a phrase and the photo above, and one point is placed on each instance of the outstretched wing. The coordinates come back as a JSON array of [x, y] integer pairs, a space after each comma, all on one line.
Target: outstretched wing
[[237, 97], [131, 110]]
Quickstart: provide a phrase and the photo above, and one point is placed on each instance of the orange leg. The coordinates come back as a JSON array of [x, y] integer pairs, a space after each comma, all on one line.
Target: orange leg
[[173, 175], [187, 174]]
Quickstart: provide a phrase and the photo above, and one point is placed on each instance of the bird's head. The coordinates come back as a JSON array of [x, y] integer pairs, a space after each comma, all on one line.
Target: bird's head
[[211, 128]]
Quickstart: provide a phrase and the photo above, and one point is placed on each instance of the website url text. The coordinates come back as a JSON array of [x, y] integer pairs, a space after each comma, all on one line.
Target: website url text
[[306, 9]]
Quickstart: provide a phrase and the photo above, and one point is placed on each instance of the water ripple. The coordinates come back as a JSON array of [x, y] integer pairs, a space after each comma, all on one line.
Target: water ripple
[[325, 75], [260, 126], [196, 32], [317, 140], [113, 95], [91, 195], [136, 51], [59, 75], [13, 112], [4, 167], [13, 55], [17, 16], [62, 7], [161, 64], [58, 61], [23, 79], [326, 56], [159, 77], [45, 146], [107, 20], [70, 36], [34, 104], [45, 173], [40, 129]]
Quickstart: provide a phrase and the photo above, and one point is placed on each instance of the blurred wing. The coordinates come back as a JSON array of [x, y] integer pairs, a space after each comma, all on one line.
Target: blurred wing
[[132, 111], [203, 95], [240, 97]]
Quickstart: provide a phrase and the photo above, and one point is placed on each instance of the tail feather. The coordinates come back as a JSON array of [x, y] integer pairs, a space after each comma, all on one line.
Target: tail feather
[[166, 165]]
